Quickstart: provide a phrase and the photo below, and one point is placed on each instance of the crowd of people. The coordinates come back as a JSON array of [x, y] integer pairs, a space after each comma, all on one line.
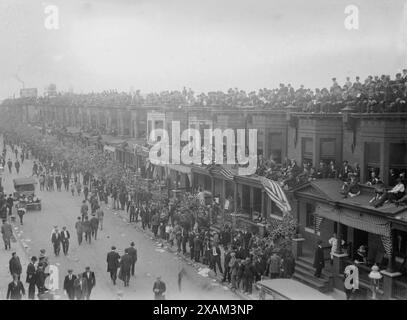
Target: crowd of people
[[241, 257], [78, 286], [374, 94], [290, 175]]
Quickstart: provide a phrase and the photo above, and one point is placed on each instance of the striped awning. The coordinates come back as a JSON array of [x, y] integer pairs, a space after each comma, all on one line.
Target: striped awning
[[361, 221]]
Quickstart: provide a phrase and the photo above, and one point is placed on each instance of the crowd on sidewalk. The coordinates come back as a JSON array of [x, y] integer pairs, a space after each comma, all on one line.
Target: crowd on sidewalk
[[239, 256]]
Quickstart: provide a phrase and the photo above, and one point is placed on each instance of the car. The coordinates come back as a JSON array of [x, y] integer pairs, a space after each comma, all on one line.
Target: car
[[25, 193]]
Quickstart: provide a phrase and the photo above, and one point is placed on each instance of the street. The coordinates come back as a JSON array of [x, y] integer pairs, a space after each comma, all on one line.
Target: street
[[61, 209]]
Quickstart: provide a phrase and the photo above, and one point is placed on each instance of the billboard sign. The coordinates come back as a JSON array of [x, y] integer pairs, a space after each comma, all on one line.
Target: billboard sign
[[29, 93]]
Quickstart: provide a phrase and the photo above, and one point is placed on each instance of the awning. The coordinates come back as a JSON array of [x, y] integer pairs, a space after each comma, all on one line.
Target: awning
[[357, 220], [109, 148], [180, 168]]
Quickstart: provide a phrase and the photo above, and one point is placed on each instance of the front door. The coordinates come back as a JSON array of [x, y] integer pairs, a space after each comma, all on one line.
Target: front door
[[360, 238]]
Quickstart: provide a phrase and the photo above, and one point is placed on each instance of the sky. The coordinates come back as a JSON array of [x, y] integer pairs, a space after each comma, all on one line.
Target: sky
[[156, 45]]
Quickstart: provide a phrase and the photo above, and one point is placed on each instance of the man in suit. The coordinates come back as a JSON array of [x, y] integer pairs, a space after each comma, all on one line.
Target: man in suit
[[79, 230], [113, 264], [56, 241], [215, 258], [319, 261], [87, 229], [31, 278], [40, 277], [84, 210], [345, 171], [90, 279], [15, 265], [69, 285], [15, 290], [246, 238], [125, 267], [133, 254], [79, 287], [100, 214], [7, 233], [65, 236], [94, 225]]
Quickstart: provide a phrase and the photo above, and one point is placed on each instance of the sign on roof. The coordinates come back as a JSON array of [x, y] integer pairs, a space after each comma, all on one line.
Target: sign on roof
[[28, 93]]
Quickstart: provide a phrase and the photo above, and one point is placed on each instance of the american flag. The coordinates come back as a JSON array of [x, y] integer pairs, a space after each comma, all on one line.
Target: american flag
[[276, 194], [226, 173]]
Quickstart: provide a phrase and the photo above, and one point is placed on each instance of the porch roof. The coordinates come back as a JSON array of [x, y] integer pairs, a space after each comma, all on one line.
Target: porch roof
[[328, 190]]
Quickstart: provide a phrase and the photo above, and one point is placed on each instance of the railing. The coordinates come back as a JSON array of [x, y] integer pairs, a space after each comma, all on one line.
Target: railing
[[399, 290]]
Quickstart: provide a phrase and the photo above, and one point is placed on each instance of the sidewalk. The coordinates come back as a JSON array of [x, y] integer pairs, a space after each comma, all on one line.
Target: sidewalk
[[5, 256]]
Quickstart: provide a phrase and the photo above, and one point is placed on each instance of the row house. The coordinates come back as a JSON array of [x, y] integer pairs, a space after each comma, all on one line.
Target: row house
[[375, 142]]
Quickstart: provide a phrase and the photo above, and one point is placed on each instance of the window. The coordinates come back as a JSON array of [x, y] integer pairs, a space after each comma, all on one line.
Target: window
[[310, 218], [275, 146], [398, 155], [372, 156], [149, 127], [328, 153], [260, 139], [307, 150], [275, 211]]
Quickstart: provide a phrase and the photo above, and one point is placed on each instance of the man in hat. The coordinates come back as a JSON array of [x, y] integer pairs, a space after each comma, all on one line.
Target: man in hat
[[87, 229], [79, 230], [15, 290], [125, 267], [7, 233], [361, 255], [17, 165], [319, 261], [113, 263], [249, 274], [43, 259], [100, 214], [346, 169], [10, 165], [404, 76], [65, 236], [31, 280], [159, 289], [274, 263], [233, 266], [79, 287], [69, 284], [40, 277], [10, 203], [133, 254], [15, 265], [90, 280], [94, 225], [56, 241], [84, 210]]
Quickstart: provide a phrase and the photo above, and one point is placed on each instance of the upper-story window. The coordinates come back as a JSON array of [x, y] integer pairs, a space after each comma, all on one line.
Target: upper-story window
[[275, 147], [397, 161], [307, 150], [372, 156], [328, 147]]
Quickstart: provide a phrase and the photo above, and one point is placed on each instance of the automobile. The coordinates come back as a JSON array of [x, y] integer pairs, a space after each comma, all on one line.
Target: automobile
[[25, 193]]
